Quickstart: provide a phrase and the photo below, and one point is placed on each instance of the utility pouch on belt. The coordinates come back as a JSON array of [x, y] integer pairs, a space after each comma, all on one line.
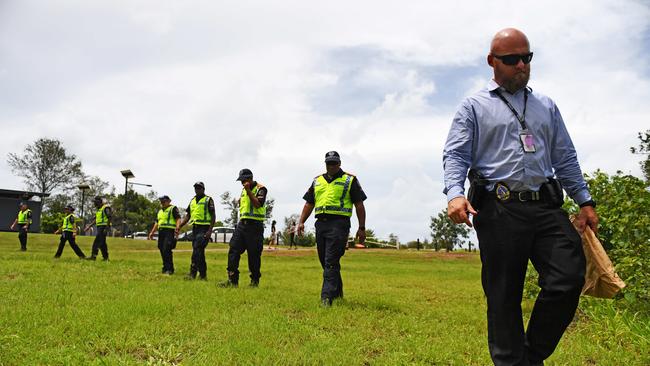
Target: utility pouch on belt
[[553, 192], [477, 189]]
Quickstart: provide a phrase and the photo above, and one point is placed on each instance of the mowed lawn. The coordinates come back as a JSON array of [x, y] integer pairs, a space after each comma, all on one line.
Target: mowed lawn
[[400, 307]]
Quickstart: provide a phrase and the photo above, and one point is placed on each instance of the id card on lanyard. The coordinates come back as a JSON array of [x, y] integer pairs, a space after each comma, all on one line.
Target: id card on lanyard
[[525, 136]]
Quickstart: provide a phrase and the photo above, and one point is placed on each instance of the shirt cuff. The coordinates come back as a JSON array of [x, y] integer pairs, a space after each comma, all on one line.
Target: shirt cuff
[[582, 197], [455, 192]]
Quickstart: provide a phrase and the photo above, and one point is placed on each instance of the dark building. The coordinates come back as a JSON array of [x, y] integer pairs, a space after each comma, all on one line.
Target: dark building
[[9, 207]]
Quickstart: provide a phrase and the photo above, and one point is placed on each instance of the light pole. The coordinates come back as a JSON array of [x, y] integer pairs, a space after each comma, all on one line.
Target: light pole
[[83, 187], [126, 174]]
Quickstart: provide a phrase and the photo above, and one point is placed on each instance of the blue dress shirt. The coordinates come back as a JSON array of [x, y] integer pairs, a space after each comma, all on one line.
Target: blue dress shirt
[[484, 135]]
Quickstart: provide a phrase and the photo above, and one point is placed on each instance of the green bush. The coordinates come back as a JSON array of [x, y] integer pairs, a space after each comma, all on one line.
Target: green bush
[[624, 230], [50, 222]]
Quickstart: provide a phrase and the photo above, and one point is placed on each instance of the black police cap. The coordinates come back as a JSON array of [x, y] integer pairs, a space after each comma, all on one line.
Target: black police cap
[[332, 156], [245, 174]]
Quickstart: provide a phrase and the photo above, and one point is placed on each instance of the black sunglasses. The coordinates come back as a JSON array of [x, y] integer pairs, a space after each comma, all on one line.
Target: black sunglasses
[[512, 60]]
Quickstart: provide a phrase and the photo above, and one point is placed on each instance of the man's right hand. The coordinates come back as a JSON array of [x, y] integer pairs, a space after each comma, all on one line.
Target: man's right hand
[[458, 210], [13, 226], [300, 229]]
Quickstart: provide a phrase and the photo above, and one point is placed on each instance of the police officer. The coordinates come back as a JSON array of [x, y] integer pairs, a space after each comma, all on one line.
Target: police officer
[[102, 222], [332, 196], [68, 232], [24, 220], [200, 213], [168, 224], [521, 157], [249, 233]]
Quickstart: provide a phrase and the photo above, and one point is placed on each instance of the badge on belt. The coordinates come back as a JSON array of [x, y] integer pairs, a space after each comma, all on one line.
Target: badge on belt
[[502, 191]]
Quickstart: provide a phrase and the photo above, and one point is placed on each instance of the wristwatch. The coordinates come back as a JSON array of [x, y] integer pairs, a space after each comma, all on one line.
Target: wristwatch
[[591, 203]]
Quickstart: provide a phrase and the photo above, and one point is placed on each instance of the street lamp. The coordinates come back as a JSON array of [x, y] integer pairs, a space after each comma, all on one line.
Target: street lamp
[[83, 187], [128, 174]]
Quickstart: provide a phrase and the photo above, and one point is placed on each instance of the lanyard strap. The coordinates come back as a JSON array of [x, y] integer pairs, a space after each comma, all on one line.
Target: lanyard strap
[[522, 118]]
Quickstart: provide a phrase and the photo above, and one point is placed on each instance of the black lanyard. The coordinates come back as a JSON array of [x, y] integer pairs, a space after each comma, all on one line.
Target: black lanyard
[[522, 118]]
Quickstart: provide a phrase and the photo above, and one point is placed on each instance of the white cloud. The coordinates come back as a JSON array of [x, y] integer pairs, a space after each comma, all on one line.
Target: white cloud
[[180, 92]]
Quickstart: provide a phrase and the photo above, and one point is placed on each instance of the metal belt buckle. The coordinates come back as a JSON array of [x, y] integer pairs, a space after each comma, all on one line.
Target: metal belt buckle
[[502, 191], [534, 196]]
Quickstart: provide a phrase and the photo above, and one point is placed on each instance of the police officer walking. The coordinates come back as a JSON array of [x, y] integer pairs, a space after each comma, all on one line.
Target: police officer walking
[[249, 233], [332, 196], [102, 222], [168, 224], [23, 221], [68, 232], [200, 213], [514, 141]]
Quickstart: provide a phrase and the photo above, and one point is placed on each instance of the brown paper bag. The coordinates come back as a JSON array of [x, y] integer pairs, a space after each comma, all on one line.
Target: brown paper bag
[[600, 278]]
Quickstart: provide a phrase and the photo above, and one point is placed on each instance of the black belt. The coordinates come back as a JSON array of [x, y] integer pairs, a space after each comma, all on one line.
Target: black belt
[[518, 196], [250, 221]]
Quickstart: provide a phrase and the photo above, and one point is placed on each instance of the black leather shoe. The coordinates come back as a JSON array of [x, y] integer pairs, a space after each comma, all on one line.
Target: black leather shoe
[[91, 258], [227, 284], [254, 283], [326, 303]]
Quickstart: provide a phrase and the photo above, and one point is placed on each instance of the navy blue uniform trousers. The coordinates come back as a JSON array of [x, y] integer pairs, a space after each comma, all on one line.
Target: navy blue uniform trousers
[[166, 243], [69, 237], [99, 244], [199, 243], [249, 237], [331, 240], [510, 234]]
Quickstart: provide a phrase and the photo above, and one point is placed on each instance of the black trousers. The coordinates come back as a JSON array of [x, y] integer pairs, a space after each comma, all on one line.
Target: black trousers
[[166, 243], [331, 240], [199, 243], [69, 237], [509, 235], [22, 237], [248, 236], [100, 242]]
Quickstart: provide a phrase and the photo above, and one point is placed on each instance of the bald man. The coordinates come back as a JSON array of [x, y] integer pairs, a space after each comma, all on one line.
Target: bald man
[[520, 158]]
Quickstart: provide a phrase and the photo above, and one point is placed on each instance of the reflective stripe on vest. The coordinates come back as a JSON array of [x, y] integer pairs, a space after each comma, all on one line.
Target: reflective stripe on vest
[[23, 216], [100, 217], [166, 219], [199, 213], [334, 197], [67, 226], [246, 208]]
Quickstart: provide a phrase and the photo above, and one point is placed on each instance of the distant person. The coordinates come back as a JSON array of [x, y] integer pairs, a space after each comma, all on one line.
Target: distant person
[[201, 214], [292, 235], [23, 221], [249, 232], [514, 142], [168, 225], [68, 231], [102, 222], [332, 195], [273, 235]]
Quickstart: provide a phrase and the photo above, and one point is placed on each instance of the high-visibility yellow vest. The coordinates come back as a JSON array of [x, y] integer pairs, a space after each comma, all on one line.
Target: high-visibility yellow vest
[[67, 226], [199, 213], [334, 197], [166, 218], [23, 217], [100, 217], [246, 208]]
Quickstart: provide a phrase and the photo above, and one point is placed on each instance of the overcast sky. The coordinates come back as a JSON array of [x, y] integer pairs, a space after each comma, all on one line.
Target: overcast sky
[[196, 90]]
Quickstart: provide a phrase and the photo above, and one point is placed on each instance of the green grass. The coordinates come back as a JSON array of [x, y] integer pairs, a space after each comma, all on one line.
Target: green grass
[[400, 308]]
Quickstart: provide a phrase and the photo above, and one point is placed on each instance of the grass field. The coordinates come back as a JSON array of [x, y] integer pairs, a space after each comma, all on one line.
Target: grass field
[[400, 308]]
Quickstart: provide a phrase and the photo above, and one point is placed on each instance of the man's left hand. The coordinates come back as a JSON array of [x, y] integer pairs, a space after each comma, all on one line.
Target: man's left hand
[[587, 216]]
